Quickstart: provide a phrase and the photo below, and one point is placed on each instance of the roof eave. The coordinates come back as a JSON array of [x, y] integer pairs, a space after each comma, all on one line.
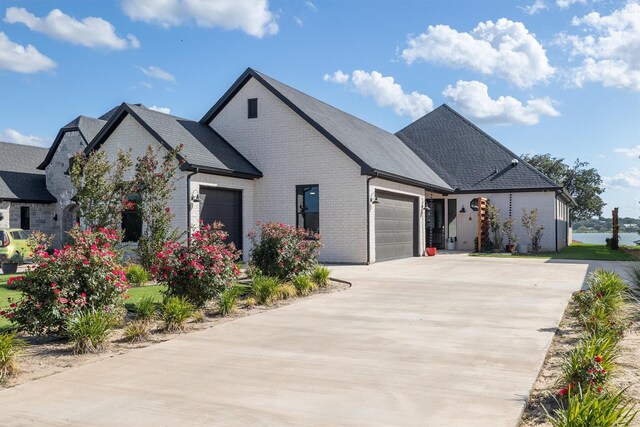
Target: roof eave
[[410, 181], [219, 171]]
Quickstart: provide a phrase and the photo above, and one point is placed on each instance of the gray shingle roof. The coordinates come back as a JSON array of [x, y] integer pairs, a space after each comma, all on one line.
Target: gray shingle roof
[[377, 148], [88, 127], [378, 152], [466, 157], [19, 177], [202, 146]]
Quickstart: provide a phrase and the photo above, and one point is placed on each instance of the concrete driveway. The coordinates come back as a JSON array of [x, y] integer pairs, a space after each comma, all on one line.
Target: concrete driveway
[[445, 341]]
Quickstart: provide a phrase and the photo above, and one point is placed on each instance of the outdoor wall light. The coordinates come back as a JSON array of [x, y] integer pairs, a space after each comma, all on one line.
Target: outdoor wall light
[[426, 207], [55, 217], [195, 197], [463, 210], [374, 199]]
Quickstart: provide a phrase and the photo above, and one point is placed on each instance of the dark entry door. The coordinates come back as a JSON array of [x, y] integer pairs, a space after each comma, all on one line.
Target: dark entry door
[[224, 206], [396, 226], [435, 223]]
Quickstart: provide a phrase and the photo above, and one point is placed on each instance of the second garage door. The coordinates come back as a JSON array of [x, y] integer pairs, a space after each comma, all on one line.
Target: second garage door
[[396, 226], [224, 206]]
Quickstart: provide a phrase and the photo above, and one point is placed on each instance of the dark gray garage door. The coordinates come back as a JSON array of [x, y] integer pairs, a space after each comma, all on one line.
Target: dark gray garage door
[[396, 226], [224, 206]]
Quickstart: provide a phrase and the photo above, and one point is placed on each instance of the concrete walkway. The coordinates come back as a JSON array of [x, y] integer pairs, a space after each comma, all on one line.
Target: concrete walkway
[[445, 341]]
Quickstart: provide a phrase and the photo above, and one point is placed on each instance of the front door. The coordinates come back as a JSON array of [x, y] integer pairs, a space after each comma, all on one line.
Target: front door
[[435, 223]]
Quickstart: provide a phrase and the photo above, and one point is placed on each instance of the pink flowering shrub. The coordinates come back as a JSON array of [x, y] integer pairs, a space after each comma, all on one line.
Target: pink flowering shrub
[[84, 274], [284, 251], [200, 270]]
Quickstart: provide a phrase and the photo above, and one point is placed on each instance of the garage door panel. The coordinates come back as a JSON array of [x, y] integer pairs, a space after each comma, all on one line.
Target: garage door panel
[[224, 206], [395, 226]]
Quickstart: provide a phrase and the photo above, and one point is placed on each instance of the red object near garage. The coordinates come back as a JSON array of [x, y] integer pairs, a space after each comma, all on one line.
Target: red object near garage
[[431, 251]]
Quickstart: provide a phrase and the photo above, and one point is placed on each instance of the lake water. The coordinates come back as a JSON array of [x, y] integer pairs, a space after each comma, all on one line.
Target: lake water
[[599, 238]]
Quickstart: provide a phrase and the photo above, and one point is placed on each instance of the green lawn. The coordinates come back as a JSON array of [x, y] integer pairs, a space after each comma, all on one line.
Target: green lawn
[[580, 251], [135, 295]]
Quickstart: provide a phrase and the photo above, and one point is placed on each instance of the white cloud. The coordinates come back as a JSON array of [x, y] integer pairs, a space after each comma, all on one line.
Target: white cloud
[[90, 32], [534, 8], [251, 16], [504, 48], [387, 93], [298, 21], [337, 77], [610, 48], [473, 99], [157, 73], [160, 109], [311, 6], [629, 152], [563, 4], [21, 59], [15, 137], [629, 178]]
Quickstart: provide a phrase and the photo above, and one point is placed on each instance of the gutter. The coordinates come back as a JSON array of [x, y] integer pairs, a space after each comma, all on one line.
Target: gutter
[[189, 203], [375, 175], [555, 205]]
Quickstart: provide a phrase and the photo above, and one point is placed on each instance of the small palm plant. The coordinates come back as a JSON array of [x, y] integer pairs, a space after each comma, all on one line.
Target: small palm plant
[[89, 331], [10, 348], [175, 313]]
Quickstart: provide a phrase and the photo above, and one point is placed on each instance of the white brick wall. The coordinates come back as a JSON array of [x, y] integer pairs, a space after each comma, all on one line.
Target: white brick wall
[[467, 223], [290, 152]]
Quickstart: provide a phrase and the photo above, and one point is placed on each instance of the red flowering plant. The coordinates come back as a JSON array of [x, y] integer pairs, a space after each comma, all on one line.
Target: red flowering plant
[[200, 269], [284, 251], [85, 273]]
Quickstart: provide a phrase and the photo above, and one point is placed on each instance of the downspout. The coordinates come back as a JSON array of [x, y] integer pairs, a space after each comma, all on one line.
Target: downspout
[[369, 219], [556, 215], [189, 203]]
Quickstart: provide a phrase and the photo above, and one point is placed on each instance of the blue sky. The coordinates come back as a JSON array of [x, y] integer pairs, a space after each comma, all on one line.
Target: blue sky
[[556, 76]]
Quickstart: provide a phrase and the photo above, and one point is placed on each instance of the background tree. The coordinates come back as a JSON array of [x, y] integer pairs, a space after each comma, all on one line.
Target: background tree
[[100, 188], [583, 183], [154, 185]]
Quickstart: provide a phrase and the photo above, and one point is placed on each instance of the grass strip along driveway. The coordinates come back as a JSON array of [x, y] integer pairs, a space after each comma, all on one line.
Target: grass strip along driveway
[[578, 251]]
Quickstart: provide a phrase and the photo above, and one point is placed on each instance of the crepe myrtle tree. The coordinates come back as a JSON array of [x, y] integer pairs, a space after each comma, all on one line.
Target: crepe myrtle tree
[[101, 189], [154, 184]]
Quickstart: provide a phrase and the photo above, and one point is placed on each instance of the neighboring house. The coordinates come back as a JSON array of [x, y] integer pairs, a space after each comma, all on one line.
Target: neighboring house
[[25, 201], [268, 152]]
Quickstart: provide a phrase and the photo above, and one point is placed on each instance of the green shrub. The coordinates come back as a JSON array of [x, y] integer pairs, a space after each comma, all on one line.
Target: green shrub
[[284, 251], [200, 269], [588, 407], [175, 313], [287, 291], [320, 276], [265, 289], [10, 348], [84, 274], [304, 285], [591, 361], [228, 301], [601, 320], [136, 331], [146, 309], [249, 302], [89, 331], [137, 275]]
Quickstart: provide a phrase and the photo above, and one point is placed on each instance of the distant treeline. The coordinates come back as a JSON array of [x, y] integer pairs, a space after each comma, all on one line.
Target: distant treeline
[[603, 225]]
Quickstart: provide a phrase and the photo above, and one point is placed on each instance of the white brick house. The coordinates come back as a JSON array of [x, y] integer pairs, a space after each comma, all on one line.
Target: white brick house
[[267, 152]]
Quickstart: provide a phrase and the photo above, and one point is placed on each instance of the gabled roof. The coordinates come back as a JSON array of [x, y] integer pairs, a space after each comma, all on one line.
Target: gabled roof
[[20, 180], [203, 148], [378, 152], [467, 158], [88, 128]]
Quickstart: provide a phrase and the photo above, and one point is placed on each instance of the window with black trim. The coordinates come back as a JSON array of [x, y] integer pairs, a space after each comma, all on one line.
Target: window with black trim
[[252, 108], [25, 217], [131, 220], [308, 207]]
